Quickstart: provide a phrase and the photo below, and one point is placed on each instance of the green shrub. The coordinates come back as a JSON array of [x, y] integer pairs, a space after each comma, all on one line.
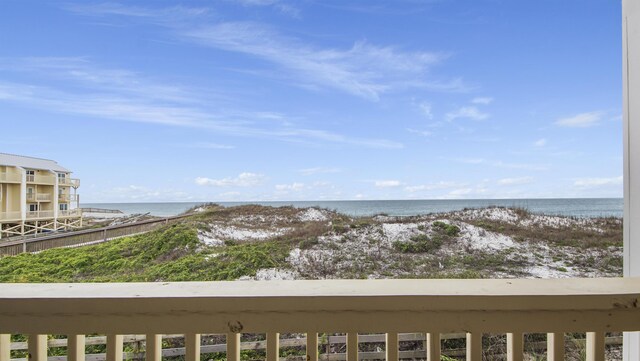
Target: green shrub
[[418, 244], [448, 229]]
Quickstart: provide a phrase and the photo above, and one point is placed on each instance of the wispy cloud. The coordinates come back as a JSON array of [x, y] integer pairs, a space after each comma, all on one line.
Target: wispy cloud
[[295, 186], [391, 183], [582, 120], [482, 100], [540, 142], [167, 16], [122, 95], [515, 181], [318, 170], [425, 107], [209, 145], [467, 112], [280, 5], [587, 183], [363, 70], [424, 133], [245, 179], [501, 164], [433, 186]]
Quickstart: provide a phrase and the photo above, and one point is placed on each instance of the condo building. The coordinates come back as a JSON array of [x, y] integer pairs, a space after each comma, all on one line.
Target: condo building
[[36, 195]]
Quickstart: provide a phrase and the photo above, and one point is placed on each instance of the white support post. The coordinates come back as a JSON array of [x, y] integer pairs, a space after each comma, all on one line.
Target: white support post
[[56, 207], [23, 194], [631, 121]]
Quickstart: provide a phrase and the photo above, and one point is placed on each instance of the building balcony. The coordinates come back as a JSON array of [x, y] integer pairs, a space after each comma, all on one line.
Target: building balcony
[[39, 197], [66, 198], [10, 177], [70, 213], [39, 214], [474, 307], [71, 182], [41, 179], [10, 216]]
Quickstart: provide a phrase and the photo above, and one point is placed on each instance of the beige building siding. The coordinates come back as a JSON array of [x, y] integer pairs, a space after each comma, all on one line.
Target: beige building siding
[[36, 195]]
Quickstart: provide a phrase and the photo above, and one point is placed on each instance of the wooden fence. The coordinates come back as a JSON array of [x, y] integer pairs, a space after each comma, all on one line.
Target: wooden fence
[[83, 237], [324, 343]]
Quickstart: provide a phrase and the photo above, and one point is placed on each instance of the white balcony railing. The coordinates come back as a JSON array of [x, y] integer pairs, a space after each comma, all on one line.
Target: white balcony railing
[[10, 216], [39, 214], [72, 182], [475, 307], [40, 197], [66, 198], [40, 179], [10, 177]]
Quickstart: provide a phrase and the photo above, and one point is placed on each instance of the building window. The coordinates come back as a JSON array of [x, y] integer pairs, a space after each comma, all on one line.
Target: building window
[[33, 207], [31, 175], [64, 206]]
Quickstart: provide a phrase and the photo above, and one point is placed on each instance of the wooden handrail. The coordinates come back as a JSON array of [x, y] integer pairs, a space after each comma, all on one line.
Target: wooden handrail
[[558, 305], [436, 307]]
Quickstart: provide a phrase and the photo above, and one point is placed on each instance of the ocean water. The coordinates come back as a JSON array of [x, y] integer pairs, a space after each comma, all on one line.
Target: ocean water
[[574, 207]]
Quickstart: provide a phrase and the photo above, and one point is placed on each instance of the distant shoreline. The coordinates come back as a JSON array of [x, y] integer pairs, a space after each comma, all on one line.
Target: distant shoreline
[[572, 207]]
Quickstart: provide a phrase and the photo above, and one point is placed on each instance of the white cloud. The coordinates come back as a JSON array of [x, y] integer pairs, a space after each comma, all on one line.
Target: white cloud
[[597, 182], [363, 70], [245, 179], [501, 164], [208, 145], [426, 110], [467, 112], [387, 183], [582, 120], [432, 186], [482, 100], [540, 142], [318, 170], [280, 5], [515, 181], [290, 187], [424, 133], [122, 95]]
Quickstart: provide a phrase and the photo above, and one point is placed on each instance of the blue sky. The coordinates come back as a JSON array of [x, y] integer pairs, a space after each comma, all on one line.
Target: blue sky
[[240, 100]]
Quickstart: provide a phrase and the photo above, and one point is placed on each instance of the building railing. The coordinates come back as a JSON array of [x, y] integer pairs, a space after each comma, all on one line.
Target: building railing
[[40, 179], [66, 198], [435, 307], [73, 182], [10, 177], [10, 216], [40, 197], [39, 214]]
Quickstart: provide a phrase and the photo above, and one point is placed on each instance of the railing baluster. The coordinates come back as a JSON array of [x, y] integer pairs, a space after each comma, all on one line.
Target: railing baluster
[[595, 346], [273, 346], [233, 347], [5, 347], [114, 347], [555, 346], [75, 348], [474, 346], [192, 346], [352, 346], [433, 346], [515, 346], [153, 347], [312, 346], [392, 347], [37, 345]]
